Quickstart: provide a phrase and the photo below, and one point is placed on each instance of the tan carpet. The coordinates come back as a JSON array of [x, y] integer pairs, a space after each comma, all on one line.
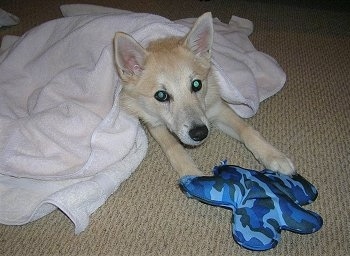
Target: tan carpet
[[309, 119]]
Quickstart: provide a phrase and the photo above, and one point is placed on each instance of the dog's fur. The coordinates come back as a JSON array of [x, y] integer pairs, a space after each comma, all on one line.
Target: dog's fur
[[157, 88]]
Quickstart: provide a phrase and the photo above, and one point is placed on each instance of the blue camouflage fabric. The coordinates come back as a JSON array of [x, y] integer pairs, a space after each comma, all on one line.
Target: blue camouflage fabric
[[263, 203]]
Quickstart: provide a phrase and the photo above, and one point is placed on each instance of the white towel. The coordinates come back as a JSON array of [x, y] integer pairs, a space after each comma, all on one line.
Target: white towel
[[64, 141]]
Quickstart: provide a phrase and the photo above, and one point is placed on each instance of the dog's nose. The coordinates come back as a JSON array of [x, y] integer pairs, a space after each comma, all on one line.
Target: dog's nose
[[199, 133]]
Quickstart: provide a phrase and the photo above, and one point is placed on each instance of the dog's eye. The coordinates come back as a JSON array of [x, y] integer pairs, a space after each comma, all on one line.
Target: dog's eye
[[196, 85], [161, 96]]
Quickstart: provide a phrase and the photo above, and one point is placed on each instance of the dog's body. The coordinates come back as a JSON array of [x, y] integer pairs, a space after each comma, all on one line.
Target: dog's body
[[171, 87]]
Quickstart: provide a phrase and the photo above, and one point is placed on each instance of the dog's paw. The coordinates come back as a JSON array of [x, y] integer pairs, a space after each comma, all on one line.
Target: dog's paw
[[191, 172], [278, 162]]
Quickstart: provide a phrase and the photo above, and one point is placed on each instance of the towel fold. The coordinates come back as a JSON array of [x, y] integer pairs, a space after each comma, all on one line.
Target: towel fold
[[64, 141], [7, 19]]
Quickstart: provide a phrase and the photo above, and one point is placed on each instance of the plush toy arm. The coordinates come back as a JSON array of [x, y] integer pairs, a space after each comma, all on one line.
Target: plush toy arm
[[295, 187], [252, 232], [258, 227], [210, 190]]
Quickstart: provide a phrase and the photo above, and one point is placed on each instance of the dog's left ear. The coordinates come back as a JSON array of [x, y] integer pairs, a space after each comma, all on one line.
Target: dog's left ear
[[200, 39]]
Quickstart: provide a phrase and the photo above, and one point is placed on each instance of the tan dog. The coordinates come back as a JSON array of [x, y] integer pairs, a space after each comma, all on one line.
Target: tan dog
[[171, 87]]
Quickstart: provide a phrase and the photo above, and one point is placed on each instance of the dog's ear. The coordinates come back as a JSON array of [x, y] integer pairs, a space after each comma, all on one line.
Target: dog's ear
[[129, 55], [200, 39]]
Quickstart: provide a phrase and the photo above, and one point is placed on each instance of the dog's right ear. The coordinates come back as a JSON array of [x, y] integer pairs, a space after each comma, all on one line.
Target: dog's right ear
[[129, 55]]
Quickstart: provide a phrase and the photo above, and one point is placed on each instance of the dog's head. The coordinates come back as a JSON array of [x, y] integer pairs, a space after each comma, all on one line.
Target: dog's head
[[167, 83]]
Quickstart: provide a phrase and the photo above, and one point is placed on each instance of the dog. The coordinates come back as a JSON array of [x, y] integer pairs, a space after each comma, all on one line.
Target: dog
[[171, 87]]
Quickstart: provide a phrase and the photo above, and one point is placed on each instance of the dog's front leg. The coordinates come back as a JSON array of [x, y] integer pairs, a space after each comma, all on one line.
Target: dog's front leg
[[177, 155], [228, 121]]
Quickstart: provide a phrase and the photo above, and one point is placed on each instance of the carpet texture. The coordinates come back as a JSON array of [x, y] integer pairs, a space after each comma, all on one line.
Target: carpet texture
[[309, 120]]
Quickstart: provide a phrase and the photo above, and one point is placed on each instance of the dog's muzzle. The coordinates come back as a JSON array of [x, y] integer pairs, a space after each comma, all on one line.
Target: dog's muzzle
[[199, 133]]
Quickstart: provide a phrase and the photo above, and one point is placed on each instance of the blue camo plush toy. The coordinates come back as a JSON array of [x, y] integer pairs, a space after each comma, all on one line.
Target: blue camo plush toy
[[263, 203]]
